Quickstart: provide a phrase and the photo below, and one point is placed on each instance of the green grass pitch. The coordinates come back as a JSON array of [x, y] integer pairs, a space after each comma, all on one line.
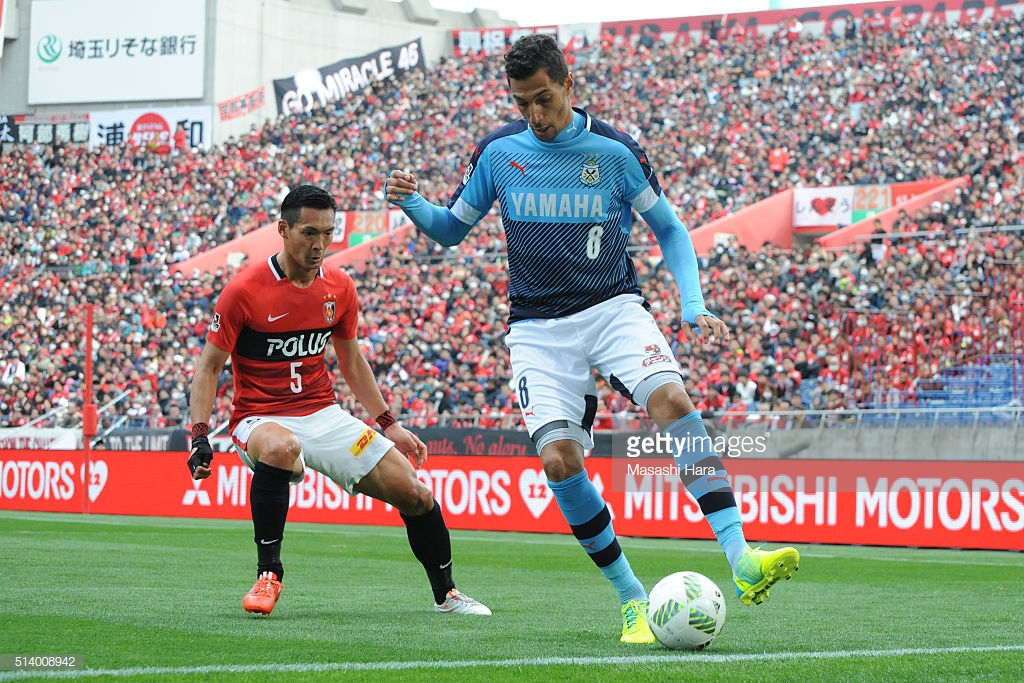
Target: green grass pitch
[[155, 599]]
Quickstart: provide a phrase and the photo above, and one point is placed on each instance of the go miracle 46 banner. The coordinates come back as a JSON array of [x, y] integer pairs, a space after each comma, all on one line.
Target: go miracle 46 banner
[[903, 503]]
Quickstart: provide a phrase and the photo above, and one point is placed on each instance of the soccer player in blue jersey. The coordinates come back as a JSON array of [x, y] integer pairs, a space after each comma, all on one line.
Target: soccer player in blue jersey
[[566, 184]]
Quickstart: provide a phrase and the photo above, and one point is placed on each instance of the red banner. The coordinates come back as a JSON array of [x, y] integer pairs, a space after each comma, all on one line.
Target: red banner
[[242, 105], [817, 20], [685, 29], [904, 192], [902, 503]]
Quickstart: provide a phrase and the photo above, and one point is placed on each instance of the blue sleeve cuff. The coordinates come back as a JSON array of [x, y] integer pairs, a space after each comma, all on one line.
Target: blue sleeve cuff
[[436, 222], [680, 257]]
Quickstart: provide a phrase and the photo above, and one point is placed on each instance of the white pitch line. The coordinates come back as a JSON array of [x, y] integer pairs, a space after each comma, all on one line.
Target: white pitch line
[[668, 657], [538, 538]]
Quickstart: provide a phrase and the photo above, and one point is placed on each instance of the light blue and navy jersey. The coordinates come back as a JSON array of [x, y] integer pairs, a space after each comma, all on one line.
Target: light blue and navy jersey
[[565, 207]]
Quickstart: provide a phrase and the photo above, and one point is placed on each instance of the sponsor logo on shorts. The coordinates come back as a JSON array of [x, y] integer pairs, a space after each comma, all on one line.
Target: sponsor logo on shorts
[[652, 348], [660, 358]]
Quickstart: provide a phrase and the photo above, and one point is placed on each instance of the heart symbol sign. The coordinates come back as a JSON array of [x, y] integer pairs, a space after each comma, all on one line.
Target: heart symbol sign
[[97, 478], [823, 204], [533, 487]]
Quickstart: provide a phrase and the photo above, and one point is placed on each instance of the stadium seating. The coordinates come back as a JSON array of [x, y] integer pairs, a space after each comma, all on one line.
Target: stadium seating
[[103, 226]]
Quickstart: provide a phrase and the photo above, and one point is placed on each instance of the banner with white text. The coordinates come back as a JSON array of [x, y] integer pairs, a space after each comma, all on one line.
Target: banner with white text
[[43, 439], [333, 83], [904, 503]]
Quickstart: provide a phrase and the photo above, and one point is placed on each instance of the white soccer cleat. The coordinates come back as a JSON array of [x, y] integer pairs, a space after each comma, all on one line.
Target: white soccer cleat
[[459, 603]]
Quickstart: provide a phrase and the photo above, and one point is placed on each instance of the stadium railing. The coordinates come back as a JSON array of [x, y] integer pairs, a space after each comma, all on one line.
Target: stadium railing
[[895, 419], [48, 418]]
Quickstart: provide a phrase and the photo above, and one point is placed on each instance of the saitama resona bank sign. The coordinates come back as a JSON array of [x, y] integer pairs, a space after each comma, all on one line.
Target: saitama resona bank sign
[[116, 50]]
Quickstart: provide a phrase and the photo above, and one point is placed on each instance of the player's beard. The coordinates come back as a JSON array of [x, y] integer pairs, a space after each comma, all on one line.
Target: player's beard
[[550, 129], [544, 135]]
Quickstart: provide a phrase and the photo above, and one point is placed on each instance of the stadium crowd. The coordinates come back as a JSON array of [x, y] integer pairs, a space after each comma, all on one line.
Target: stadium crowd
[[727, 123]]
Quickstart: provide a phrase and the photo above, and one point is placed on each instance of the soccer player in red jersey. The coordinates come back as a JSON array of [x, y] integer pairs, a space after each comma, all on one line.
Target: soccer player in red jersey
[[274, 321]]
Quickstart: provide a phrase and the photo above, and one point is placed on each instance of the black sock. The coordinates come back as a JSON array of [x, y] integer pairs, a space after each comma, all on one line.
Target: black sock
[[268, 500], [428, 537]]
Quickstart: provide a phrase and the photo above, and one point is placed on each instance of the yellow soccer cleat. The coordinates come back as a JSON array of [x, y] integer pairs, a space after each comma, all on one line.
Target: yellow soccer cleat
[[759, 569], [634, 623]]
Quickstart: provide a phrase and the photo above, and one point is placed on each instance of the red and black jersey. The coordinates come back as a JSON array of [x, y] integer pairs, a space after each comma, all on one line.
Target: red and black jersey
[[277, 334]]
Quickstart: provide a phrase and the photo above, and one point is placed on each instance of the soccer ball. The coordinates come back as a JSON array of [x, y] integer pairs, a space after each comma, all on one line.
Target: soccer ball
[[686, 611]]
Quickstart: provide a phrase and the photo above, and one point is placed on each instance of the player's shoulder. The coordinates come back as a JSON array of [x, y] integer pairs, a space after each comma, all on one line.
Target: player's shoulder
[[336, 277], [339, 283], [505, 134], [251, 279], [614, 135]]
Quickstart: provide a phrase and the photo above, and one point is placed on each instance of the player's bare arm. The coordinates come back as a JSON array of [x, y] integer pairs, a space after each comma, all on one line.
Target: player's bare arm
[[359, 377], [204, 392]]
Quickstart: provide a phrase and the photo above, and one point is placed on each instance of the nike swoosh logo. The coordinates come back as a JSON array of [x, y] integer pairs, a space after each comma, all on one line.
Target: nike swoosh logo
[[445, 566], [262, 542], [272, 318]]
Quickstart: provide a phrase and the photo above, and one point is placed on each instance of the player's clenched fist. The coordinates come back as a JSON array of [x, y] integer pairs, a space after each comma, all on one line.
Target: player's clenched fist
[[202, 453], [399, 185]]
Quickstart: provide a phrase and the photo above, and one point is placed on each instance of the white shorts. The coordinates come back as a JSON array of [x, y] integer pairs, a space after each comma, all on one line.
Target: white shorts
[[333, 443], [553, 362]]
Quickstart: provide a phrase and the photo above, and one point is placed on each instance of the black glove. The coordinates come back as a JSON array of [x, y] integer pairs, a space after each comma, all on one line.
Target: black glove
[[202, 454]]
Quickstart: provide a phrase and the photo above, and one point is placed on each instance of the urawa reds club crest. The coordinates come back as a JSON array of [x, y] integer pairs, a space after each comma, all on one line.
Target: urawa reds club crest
[[330, 310]]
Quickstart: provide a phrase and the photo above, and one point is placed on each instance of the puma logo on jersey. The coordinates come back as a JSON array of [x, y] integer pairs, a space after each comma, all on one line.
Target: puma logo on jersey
[[521, 169], [560, 207]]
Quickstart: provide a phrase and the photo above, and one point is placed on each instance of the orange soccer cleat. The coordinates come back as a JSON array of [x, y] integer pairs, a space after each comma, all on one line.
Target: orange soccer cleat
[[264, 594]]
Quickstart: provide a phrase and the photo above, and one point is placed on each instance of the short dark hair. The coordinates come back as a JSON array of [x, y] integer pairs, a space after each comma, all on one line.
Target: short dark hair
[[302, 196], [533, 52]]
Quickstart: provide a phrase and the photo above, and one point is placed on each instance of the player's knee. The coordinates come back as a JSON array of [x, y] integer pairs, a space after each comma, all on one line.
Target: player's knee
[[280, 449], [561, 461], [669, 402], [412, 498]]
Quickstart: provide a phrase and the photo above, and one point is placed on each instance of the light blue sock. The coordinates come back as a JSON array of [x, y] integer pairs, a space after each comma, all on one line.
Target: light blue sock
[[591, 524], [728, 530], [703, 474], [624, 580]]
